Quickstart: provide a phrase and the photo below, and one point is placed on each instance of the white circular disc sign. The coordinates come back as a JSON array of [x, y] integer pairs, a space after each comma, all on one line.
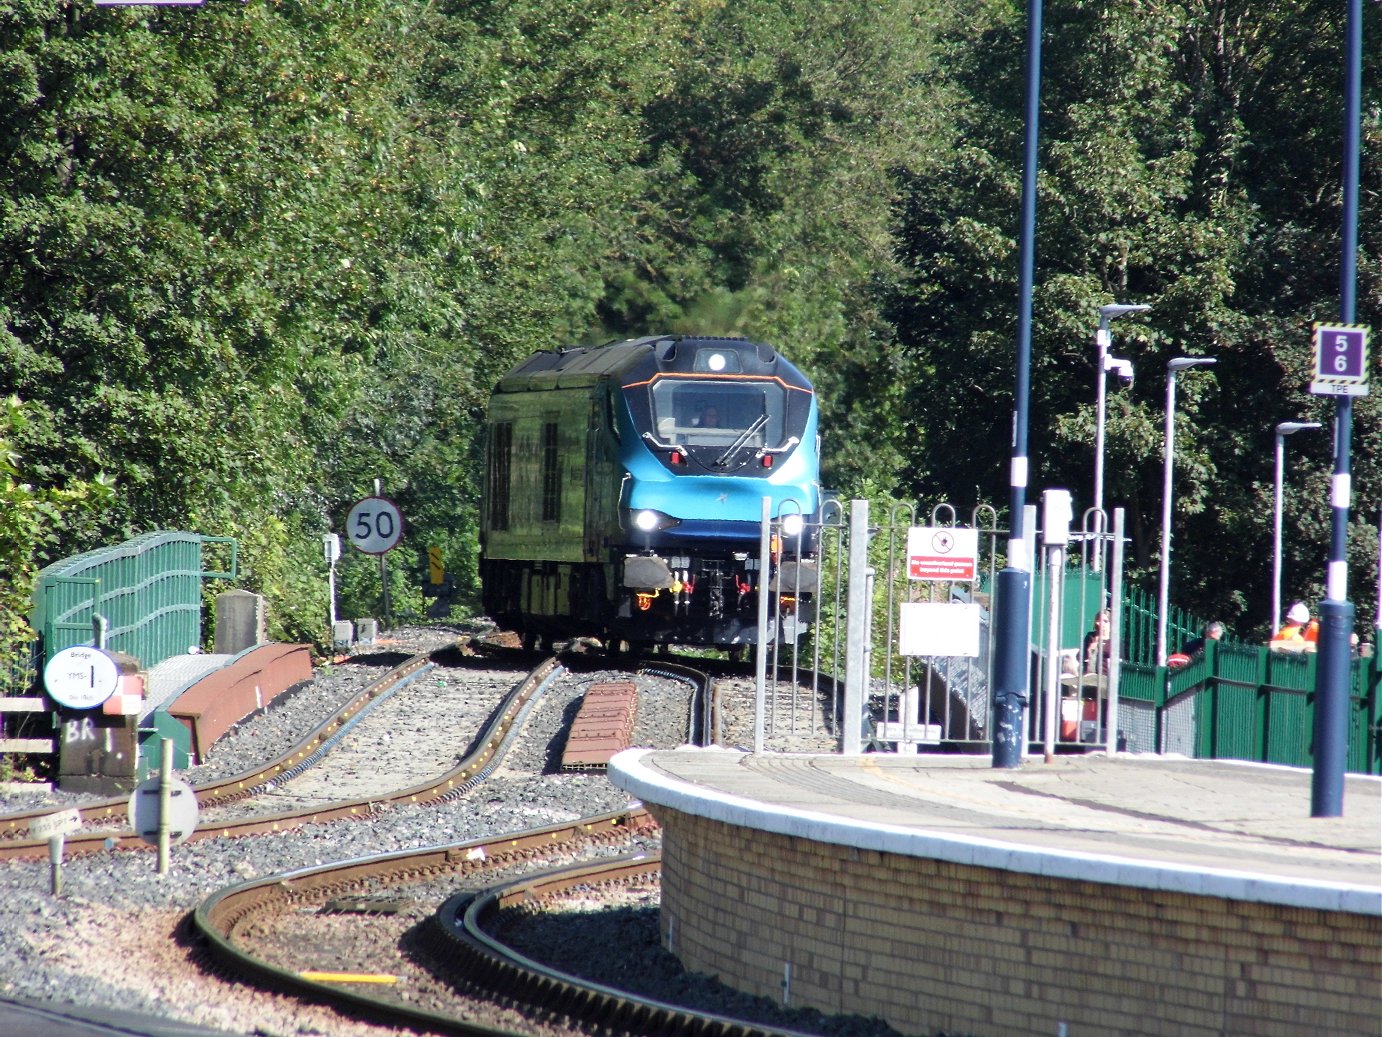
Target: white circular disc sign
[[375, 525], [81, 677], [146, 810]]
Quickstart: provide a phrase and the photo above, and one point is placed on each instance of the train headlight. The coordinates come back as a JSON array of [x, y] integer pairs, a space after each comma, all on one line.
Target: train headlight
[[792, 525], [649, 521]]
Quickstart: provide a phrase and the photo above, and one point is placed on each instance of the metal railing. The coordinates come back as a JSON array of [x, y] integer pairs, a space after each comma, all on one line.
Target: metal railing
[[142, 597]]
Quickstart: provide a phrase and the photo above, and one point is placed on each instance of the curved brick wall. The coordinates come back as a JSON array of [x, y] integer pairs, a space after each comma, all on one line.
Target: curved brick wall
[[932, 946]]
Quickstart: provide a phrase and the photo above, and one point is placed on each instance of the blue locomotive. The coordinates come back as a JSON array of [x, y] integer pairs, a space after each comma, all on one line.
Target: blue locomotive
[[623, 493]]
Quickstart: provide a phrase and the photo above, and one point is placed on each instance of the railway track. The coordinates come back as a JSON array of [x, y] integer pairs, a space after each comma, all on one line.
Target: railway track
[[238, 923], [100, 818], [544, 792], [460, 955], [267, 930]]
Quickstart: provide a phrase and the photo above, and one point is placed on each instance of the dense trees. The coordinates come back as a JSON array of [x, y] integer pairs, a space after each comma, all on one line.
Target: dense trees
[[1190, 160], [255, 256]]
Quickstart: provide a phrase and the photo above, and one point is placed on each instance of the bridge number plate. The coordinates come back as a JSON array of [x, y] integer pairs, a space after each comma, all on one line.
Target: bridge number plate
[[375, 525], [81, 677], [1341, 360]]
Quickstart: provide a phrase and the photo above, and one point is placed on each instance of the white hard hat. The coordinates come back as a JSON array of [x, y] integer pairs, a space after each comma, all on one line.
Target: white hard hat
[[1299, 613]]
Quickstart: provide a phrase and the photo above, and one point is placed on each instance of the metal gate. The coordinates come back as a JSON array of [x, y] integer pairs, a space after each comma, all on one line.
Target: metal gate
[[841, 668]]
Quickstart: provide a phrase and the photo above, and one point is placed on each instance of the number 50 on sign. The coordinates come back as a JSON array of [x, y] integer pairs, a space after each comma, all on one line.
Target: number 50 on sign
[[1341, 360], [375, 525]]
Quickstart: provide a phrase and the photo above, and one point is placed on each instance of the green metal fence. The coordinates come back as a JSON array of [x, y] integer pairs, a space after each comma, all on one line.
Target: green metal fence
[[1139, 626], [145, 596], [1249, 702]]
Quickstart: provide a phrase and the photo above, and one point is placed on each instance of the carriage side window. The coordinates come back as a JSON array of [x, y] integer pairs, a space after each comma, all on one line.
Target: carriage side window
[[551, 474], [501, 458]]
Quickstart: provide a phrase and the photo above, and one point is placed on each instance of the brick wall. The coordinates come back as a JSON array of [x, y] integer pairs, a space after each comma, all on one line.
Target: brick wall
[[931, 946]]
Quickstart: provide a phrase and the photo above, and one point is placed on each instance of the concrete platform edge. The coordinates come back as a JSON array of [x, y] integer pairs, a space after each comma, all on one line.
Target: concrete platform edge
[[629, 771]]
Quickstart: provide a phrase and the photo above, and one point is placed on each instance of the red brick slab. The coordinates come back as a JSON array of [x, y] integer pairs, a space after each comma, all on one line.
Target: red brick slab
[[603, 726], [223, 698]]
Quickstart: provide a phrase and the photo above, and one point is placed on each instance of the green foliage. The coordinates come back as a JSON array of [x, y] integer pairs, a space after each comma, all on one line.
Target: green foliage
[[254, 257], [30, 520], [1189, 159]]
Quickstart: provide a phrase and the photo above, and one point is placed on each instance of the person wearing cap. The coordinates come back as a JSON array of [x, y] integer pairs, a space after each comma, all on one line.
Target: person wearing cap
[[1297, 619]]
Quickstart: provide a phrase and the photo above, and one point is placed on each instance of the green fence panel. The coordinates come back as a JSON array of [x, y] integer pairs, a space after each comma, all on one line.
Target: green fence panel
[[159, 726], [1082, 596], [148, 592], [1141, 682], [1226, 722], [1365, 716], [1140, 626], [1253, 703]]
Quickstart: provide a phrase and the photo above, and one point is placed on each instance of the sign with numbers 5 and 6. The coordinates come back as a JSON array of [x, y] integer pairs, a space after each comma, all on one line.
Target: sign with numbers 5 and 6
[[1341, 360], [375, 525]]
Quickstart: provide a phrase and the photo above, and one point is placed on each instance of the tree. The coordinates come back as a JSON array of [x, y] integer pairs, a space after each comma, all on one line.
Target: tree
[[1166, 164]]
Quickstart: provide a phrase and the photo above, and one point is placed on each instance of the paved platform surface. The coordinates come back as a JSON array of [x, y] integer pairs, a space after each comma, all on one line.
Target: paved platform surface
[[50, 1019], [1213, 827], [172, 675]]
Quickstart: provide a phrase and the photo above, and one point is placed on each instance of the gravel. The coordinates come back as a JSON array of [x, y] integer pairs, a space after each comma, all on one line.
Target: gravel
[[112, 937]]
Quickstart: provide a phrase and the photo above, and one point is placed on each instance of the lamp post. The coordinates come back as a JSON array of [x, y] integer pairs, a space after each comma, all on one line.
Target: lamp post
[[1173, 367], [1103, 338], [1284, 429], [1012, 613]]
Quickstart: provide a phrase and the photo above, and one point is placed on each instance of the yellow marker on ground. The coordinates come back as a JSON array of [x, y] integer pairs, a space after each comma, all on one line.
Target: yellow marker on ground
[[348, 977]]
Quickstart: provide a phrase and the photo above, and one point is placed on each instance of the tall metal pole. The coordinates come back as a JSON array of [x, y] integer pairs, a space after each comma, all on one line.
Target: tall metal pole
[[1012, 588], [1336, 611], [1284, 429], [1103, 338], [1164, 584], [1164, 580]]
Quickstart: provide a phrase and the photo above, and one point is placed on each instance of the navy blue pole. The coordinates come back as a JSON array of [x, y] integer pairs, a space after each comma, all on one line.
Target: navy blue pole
[[1011, 592], [1336, 612]]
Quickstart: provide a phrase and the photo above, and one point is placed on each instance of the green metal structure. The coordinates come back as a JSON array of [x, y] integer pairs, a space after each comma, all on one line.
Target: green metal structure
[[1251, 702], [145, 595]]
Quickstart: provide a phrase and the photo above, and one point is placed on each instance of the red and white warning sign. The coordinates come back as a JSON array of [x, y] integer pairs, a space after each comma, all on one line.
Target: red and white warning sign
[[942, 553]]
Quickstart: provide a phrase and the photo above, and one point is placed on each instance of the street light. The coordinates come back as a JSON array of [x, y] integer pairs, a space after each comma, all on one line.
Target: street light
[[1103, 338], [1284, 429], [1173, 366]]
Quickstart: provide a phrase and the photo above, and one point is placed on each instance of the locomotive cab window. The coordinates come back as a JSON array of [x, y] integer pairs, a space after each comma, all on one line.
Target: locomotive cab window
[[700, 412]]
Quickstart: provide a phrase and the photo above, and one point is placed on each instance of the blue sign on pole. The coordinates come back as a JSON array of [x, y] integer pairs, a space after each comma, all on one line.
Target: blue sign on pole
[[1341, 360]]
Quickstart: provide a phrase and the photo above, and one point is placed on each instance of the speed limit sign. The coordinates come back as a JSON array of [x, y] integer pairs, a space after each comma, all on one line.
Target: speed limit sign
[[375, 525]]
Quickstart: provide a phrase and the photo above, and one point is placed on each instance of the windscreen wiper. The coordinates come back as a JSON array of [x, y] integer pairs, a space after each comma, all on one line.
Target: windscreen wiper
[[743, 438]]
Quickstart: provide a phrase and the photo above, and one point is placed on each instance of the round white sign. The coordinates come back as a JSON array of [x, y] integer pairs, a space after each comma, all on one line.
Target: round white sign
[[146, 810], [81, 677], [375, 525]]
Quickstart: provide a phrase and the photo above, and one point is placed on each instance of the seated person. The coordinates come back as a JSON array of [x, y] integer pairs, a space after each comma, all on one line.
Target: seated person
[[1212, 632]]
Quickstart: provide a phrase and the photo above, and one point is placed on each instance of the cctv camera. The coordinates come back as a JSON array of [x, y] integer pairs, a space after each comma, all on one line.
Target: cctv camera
[[1121, 367]]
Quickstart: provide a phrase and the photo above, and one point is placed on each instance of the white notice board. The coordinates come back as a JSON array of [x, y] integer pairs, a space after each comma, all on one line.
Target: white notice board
[[939, 628]]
